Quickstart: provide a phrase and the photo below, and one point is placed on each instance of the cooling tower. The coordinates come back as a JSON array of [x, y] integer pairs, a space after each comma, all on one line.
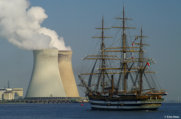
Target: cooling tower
[[66, 73], [45, 80]]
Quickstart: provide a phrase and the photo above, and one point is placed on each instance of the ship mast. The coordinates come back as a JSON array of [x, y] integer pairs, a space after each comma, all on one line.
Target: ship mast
[[102, 58], [123, 62], [141, 67], [142, 62], [124, 54], [102, 67]]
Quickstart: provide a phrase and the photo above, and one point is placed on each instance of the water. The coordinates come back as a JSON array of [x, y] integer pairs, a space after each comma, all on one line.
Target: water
[[78, 111]]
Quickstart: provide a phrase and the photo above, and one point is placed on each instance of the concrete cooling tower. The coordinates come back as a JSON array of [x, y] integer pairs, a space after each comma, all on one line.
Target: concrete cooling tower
[[45, 80], [66, 73]]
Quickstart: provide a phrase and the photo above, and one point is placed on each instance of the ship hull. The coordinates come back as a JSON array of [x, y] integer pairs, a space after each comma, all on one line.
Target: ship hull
[[149, 104]]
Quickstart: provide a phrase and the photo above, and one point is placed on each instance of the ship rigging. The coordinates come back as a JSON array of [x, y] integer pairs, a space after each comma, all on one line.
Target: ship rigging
[[126, 84]]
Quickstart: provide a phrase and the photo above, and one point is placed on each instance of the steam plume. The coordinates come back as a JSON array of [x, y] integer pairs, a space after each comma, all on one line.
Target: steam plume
[[20, 24]]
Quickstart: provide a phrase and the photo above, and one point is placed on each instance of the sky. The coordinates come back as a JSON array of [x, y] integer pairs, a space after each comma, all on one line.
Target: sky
[[76, 20]]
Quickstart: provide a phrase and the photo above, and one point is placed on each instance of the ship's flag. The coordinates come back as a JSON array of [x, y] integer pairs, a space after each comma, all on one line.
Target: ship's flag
[[148, 63]]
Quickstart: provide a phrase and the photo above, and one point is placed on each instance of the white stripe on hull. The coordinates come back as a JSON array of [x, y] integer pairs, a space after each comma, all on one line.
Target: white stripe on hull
[[125, 102]]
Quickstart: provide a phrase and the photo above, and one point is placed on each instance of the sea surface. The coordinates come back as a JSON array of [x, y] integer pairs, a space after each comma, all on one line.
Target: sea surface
[[83, 111]]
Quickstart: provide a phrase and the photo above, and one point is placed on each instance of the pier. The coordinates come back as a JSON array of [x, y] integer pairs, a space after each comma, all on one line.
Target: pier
[[46, 100]]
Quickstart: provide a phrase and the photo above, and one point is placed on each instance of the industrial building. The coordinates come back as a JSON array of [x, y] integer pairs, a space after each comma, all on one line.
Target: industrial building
[[11, 93]]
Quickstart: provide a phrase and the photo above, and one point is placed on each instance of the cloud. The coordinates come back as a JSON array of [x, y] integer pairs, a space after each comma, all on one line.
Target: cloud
[[20, 24]]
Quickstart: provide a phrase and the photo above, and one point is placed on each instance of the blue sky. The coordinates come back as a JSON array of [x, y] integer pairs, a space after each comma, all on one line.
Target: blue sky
[[76, 21]]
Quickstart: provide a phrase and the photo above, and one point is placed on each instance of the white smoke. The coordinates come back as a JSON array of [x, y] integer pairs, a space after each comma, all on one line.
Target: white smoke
[[21, 25]]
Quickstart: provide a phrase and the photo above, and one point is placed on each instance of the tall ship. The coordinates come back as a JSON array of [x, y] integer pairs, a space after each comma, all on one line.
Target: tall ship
[[121, 77]]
